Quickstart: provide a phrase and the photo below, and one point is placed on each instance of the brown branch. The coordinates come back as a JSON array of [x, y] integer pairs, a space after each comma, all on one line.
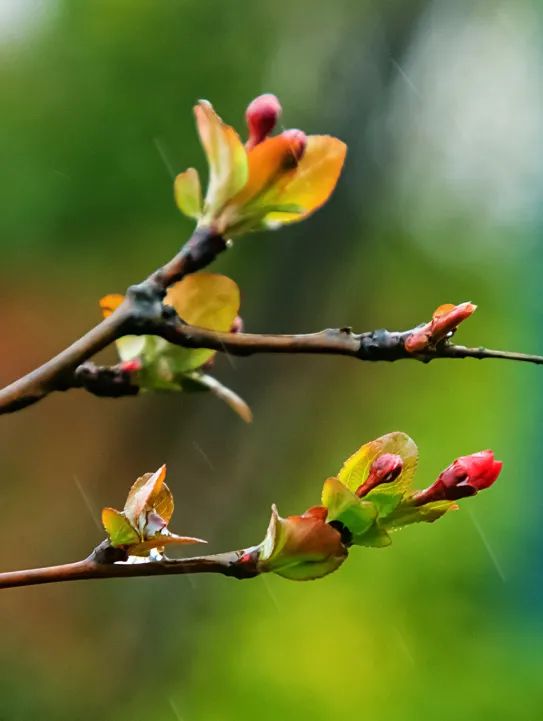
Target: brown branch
[[143, 304], [143, 313], [104, 563], [377, 345]]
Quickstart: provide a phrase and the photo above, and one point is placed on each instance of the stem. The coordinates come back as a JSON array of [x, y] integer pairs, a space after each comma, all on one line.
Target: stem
[[143, 303], [227, 564], [143, 313]]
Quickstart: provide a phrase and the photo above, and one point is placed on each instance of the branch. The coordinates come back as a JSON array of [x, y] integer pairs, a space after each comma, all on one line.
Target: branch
[[143, 303], [104, 562], [376, 345], [143, 313], [380, 345]]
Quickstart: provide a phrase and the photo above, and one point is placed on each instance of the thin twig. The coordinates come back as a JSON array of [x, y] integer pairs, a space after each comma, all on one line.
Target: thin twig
[[374, 346], [143, 313]]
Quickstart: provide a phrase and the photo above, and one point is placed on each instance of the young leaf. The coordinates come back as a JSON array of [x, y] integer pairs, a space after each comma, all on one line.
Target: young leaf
[[355, 470], [207, 300], [343, 506], [143, 494], [188, 193], [118, 528]]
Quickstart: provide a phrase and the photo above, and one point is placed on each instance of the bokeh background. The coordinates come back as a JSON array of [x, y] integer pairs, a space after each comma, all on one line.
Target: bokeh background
[[441, 105]]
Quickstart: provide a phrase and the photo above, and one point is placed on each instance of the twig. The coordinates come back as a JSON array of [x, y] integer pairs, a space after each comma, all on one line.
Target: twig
[[143, 304], [381, 345], [143, 313], [104, 563]]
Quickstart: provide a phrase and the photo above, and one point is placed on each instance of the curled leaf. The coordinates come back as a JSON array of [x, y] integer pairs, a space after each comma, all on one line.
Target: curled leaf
[[301, 548]]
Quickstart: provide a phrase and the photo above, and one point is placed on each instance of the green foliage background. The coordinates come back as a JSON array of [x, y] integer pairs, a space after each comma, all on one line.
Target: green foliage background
[[440, 202]]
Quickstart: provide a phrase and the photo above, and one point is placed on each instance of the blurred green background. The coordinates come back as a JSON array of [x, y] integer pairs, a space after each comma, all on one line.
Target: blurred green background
[[441, 105]]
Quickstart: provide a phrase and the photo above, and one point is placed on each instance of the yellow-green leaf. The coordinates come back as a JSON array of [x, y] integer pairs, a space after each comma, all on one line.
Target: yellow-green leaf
[[207, 300], [226, 157], [188, 193], [343, 506], [355, 470], [406, 514], [118, 528]]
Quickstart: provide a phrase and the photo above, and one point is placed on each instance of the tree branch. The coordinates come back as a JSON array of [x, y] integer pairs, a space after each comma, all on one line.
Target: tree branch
[[143, 313], [104, 562], [143, 304]]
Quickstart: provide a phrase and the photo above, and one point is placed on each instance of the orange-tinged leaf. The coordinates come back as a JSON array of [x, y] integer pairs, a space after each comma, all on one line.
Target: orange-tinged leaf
[[313, 182], [226, 156], [300, 547], [110, 302], [443, 310], [355, 470], [207, 300], [118, 528], [129, 346], [161, 502], [143, 494], [160, 541], [269, 162], [188, 193]]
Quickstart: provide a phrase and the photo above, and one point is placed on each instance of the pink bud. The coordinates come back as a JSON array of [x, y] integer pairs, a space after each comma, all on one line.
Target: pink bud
[[466, 476], [237, 325], [131, 366], [384, 469], [297, 142], [444, 322], [261, 116]]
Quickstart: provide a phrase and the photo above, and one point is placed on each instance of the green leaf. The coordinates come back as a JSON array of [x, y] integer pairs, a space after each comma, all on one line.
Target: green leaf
[[206, 300], [385, 503], [343, 506], [118, 528], [355, 470], [406, 514], [188, 193], [374, 537]]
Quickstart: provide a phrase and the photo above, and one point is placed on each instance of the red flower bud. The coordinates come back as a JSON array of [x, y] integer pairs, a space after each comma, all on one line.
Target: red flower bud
[[384, 469], [466, 476], [445, 321], [261, 116], [131, 366]]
